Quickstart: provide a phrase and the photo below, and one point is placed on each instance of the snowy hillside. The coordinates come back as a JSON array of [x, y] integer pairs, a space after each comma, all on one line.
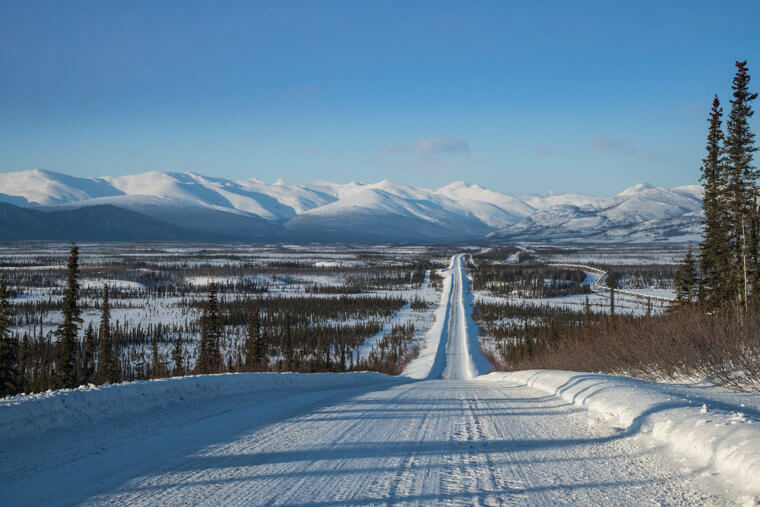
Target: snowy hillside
[[384, 211], [642, 212]]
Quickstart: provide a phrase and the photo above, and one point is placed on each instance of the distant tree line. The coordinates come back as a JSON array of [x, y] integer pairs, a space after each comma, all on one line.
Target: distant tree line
[[528, 280], [279, 334], [521, 332]]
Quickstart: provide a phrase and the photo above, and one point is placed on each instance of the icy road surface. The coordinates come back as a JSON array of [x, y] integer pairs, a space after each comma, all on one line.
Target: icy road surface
[[433, 441], [449, 440]]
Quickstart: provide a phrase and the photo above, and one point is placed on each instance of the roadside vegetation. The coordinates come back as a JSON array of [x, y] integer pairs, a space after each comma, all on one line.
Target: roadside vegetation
[[711, 332], [684, 345]]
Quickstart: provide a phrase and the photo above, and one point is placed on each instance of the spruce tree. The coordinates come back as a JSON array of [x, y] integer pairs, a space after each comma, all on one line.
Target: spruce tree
[[253, 346], [587, 315], [741, 181], [612, 293], [157, 369], [685, 280], [9, 377], [67, 345], [264, 361], [209, 356], [118, 373], [89, 349], [178, 357], [25, 364], [715, 254], [288, 351], [106, 371]]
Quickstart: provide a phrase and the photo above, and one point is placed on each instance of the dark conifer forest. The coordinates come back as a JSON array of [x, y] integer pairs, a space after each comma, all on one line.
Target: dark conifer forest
[[232, 311]]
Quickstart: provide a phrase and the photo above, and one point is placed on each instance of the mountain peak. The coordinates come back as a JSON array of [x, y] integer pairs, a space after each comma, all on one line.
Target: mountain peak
[[324, 210], [636, 189], [457, 185]]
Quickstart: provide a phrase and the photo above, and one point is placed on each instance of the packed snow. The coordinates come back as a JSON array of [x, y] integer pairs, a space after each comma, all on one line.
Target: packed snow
[[711, 430]]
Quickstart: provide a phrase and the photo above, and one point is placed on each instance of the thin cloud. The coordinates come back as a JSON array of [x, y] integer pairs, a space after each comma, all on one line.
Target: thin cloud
[[437, 145], [429, 155], [613, 145], [443, 145]]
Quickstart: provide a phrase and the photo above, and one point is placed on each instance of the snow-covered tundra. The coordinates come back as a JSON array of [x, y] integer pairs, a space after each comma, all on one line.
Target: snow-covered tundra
[[445, 432]]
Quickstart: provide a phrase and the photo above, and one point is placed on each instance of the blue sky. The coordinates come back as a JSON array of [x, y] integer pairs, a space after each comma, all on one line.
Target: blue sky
[[517, 96]]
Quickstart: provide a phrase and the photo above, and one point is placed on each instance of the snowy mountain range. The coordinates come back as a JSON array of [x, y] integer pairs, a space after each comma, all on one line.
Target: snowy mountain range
[[40, 204]]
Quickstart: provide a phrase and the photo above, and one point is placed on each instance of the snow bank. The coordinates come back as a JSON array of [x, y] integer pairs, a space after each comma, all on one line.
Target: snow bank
[[432, 359], [25, 415], [721, 436]]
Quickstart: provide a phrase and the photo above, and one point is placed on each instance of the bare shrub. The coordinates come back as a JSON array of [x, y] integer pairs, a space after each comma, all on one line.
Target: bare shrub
[[723, 346]]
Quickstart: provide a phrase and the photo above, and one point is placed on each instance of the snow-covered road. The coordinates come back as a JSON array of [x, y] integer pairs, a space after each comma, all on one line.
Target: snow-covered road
[[451, 439], [464, 360], [446, 441]]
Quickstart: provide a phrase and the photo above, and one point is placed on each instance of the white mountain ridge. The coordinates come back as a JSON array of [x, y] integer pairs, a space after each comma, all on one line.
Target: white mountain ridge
[[381, 211]]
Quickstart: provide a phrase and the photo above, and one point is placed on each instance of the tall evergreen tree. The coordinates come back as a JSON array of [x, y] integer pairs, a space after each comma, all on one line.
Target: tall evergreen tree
[[288, 351], [741, 178], [612, 293], [118, 371], [25, 364], [178, 357], [67, 345], [264, 359], [107, 367], [209, 356], [254, 349], [9, 376], [715, 254], [157, 368], [685, 280], [587, 310], [89, 349]]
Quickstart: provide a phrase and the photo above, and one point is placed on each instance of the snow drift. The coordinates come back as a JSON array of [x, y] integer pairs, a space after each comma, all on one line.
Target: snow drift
[[32, 414], [711, 431]]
